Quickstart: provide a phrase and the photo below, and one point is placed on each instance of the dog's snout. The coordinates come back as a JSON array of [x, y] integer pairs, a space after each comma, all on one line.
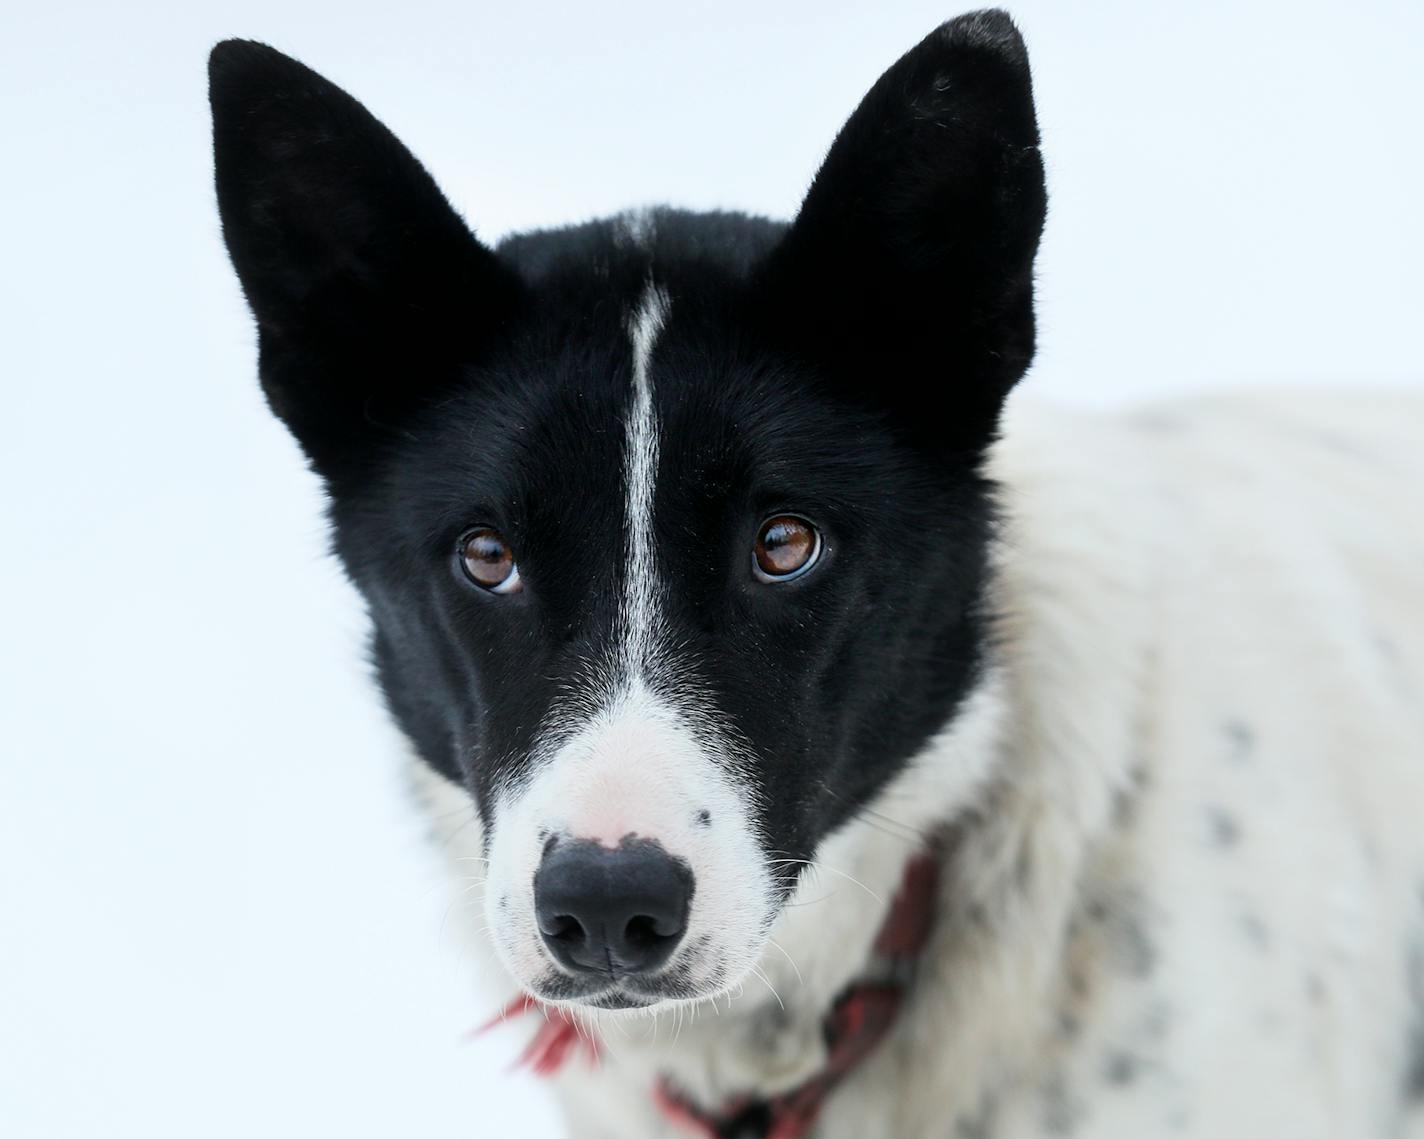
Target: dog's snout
[[618, 912]]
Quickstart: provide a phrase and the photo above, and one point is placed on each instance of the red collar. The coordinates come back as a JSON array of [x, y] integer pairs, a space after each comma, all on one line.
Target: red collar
[[857, 1022]]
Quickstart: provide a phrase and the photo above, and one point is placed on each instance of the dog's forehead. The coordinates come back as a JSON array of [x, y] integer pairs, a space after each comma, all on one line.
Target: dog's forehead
[[552, 405], [537, 439]]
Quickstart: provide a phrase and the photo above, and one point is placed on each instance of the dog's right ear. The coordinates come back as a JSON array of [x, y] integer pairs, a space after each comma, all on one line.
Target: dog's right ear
[[370, 293], [908, 273]]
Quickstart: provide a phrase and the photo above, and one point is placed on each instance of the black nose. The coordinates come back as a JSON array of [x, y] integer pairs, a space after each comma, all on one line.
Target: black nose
[[611, 911]]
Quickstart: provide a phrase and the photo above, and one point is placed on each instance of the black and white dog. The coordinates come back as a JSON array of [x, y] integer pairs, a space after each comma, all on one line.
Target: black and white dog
[[1069, 784]]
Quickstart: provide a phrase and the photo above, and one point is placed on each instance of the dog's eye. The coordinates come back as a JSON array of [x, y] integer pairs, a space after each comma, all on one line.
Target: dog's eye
[[489, 562], [786, 547]]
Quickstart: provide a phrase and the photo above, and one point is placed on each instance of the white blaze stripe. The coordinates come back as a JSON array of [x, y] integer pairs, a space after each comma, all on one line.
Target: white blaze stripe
[[630, 759], [640, 612]]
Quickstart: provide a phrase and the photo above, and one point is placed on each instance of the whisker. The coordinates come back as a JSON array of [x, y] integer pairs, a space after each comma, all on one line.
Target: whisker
[[851, 878], [794, 967], [760, 976], [809, 901], [827, 867]]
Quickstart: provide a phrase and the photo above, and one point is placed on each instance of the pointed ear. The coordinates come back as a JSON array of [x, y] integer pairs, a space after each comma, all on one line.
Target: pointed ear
[[909, 270], [370, 293]]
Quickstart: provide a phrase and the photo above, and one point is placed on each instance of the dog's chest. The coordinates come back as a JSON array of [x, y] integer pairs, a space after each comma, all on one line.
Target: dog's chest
[[1242, 954]]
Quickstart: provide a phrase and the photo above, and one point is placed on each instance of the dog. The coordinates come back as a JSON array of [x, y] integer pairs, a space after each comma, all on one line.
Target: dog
[[842, 747]]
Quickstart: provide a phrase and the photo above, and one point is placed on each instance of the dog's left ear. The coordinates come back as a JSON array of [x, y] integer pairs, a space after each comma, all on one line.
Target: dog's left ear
[[370, 293], [909, 270]]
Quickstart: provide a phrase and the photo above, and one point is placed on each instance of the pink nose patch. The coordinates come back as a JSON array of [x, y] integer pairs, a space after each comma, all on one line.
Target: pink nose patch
[[616, 806]]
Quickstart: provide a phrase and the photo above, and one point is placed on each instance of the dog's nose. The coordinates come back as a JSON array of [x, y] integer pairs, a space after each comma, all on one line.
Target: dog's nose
[[617, 911]]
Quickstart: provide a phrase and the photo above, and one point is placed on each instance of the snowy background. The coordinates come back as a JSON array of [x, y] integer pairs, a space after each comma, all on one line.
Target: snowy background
[[217, 916]]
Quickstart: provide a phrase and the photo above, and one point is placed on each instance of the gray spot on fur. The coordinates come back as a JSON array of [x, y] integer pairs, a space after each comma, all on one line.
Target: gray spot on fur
[[1126, 799], [704, 817], [769, 1025], [1137, 953], [979, 1125], [1127, 932], [1223, 831], [1023, 868], [1240, 739], [1121, 1068], [1255, 930], [1315, 988], [1157, 1021], [1120, 920]]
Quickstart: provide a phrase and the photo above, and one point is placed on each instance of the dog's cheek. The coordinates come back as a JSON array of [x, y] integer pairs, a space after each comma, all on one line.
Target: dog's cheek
[[508, 902]]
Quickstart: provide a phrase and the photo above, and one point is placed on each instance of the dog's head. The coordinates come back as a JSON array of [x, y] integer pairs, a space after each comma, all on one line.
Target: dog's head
[[670, 526]]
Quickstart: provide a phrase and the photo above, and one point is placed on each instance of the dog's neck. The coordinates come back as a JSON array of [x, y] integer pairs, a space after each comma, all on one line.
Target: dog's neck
[[862, 1016]]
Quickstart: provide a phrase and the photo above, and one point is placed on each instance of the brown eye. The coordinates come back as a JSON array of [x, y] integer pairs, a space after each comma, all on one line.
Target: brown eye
[[786, 547], [489, 562]]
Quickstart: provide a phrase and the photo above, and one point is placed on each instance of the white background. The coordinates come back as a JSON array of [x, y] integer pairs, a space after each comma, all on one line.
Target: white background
[[217, 916]]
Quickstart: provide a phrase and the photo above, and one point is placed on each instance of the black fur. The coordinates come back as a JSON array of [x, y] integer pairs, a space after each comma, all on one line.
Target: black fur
[[849, 368]]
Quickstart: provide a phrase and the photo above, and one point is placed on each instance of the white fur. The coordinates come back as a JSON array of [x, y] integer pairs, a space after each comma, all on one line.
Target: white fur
[[1186, 869], [640, 614]]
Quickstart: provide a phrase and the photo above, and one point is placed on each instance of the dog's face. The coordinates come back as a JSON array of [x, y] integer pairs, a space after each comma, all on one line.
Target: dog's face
[[670, 526]]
